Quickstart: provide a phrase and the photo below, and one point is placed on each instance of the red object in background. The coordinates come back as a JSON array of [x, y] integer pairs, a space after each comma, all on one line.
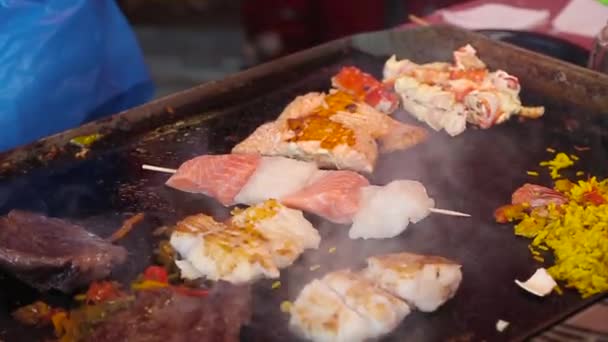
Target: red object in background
[[300, 24], [339, 18], [423, 8], [290, 19]]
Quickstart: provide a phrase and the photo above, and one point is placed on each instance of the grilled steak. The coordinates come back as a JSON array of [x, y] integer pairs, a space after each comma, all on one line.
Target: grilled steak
[[49, 253], [167, 316]]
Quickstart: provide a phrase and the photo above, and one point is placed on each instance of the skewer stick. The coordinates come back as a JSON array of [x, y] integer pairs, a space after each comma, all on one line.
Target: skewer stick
[[448, 212], [158, 168], [433, 210], [417, 20]]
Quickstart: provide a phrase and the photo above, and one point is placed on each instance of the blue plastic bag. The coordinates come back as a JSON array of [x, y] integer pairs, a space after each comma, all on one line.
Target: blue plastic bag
[[65, 62]]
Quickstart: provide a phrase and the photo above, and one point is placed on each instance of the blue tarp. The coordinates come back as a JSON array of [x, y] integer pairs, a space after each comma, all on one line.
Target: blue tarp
[[65, 62]]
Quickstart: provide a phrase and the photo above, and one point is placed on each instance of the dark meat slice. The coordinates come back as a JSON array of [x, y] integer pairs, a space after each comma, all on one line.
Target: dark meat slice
[[166, 315], [49, 253]]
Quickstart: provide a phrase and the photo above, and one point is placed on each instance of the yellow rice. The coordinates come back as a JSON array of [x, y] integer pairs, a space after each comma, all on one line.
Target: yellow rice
[[561, 161], [577, 235]]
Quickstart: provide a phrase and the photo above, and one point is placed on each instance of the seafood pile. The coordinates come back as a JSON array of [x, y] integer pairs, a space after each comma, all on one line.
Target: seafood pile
[[314, 158], [448, 95]]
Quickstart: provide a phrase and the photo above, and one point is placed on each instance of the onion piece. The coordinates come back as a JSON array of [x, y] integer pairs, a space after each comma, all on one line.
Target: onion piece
[[541, 283]]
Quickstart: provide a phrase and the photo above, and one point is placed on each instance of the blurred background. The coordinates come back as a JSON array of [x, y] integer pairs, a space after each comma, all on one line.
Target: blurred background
[[189, 42]]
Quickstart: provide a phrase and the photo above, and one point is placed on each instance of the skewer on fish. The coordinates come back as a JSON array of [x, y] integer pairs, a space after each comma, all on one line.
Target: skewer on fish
[[339, 196]]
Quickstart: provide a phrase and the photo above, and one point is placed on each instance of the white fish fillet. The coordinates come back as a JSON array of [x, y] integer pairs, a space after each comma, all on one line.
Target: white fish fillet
[[275, 177], [424, 282], [320, 315], [223, 257], [383, 310], [287, 232], [386, 211], [255, 243]]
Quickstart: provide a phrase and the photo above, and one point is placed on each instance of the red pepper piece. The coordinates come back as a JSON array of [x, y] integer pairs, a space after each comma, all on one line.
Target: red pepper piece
[[156, 273]]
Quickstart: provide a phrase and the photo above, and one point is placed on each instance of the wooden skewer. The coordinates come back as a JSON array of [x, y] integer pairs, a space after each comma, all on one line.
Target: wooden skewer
[[158, 168], [448, 212], [433, 210], [417, 20]]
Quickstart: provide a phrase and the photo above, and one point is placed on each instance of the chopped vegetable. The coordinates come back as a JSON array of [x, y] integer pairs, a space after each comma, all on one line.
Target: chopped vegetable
[[156, 273], [188, 291], [80, 297], [501, 325], [86, 140], [78, 323], [315, 267], [103, 291], [165, 255], [540, 283], [550, 150], [37, 313], [510, 212], [286, 306], [276, 285], [82, 153], [532, 173], [126, 227], [148, 285], [580, 173], [332, 250]]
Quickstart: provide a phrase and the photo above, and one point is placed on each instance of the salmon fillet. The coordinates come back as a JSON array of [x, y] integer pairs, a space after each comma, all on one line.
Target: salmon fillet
[[334, 130], [334, 195], [217, 176]]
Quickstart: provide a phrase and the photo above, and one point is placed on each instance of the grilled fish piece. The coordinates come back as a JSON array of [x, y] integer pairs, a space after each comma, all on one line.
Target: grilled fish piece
[[254, 243], [424, 282], [382, 310], [219, 251], [320, 315], [286, 230], [334, 130]]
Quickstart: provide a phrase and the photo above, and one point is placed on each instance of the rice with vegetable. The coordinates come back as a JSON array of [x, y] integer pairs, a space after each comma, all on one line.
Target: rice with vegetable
[[574, 232]]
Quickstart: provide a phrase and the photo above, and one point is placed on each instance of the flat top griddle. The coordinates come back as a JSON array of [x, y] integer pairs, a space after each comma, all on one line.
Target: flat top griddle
[[474, 172]]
